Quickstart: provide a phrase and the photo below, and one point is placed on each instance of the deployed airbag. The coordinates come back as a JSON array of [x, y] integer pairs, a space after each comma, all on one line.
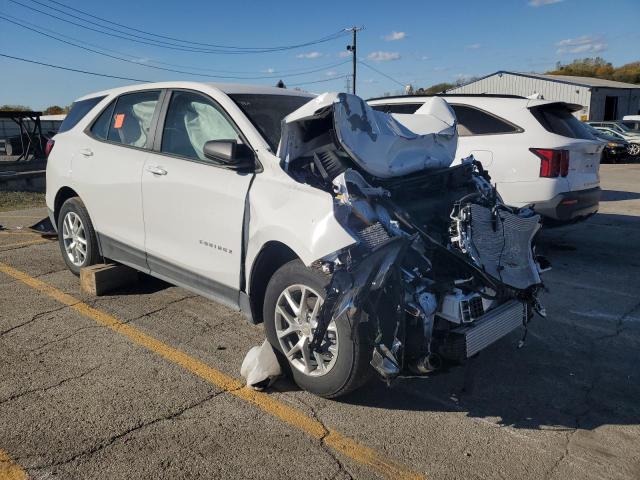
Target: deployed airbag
[[383, 145]]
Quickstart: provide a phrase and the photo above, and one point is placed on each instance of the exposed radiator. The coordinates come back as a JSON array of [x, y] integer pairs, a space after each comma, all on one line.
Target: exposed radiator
[[504, 245], [491, 327]]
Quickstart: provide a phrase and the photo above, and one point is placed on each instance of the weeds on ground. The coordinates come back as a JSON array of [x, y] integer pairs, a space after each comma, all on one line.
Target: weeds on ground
[[20, 200]]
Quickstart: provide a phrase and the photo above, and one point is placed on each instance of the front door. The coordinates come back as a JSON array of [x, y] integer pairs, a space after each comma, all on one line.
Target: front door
[[194, 208]]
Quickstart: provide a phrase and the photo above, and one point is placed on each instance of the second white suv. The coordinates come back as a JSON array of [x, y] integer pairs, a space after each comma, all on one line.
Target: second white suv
[[536, 151]]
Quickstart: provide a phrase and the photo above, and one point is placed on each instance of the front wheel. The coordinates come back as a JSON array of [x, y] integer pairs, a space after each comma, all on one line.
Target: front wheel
[[292, 303], [76, 236]]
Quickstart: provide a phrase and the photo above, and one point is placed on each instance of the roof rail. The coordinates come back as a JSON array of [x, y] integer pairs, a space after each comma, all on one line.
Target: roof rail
[[487, 95]]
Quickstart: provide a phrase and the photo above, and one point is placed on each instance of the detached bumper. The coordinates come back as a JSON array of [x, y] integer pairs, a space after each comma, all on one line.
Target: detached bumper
[[570, 206]]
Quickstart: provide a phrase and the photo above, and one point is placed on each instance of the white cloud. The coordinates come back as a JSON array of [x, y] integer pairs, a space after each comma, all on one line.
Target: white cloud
[[473, 46], [309, 55], [331, 73], [394, 36], [424, 57], [269, 70], [582, 44], [370, 80], [383, 56], [344, 54], [542, 3]]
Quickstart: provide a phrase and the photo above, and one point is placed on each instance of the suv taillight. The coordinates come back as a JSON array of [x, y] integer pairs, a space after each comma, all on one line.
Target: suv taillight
[[553, 163], [48, 147]]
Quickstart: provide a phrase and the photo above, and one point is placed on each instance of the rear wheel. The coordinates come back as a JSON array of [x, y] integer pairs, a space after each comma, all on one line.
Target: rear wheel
[[292, 303], [76, 236]]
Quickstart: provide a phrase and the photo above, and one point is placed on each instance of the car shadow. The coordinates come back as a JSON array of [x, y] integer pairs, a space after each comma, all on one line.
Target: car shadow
[[616, 196]]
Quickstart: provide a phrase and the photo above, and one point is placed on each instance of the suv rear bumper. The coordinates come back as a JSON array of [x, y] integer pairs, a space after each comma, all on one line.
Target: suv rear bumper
[[570, 206]]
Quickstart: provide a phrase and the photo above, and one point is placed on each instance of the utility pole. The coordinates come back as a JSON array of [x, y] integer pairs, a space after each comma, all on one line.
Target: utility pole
[[352, 48]]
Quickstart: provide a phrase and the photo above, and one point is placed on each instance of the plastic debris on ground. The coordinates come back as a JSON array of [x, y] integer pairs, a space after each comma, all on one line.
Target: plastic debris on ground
[[261, 367], [44, 227]]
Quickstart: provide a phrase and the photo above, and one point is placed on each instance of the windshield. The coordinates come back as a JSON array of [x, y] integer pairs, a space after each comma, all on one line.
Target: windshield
[[623, 127], [266, 112]]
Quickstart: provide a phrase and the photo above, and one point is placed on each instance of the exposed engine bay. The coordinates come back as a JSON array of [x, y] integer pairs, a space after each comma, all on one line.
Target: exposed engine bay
[[440, 268]]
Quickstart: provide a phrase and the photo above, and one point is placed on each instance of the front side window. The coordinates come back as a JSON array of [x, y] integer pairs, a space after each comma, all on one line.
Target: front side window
[[192, 120], [473, 121], [266, 112], [130, 119]]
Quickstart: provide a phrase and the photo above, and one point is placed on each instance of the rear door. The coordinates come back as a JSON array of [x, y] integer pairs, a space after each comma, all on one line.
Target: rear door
[[584, 149], [194, 208], [107, 169]]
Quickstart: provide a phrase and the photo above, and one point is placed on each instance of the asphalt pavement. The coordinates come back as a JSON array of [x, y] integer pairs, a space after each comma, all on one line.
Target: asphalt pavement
[[144, 382]]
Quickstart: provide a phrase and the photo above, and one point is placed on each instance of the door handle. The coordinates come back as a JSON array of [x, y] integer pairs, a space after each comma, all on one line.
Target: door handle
[[156, 170], [87, 152]]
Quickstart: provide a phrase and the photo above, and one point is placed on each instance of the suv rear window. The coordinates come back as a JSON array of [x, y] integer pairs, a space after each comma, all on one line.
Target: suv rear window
[[398, 107], [77, 112], [473, 121], [558, 119]]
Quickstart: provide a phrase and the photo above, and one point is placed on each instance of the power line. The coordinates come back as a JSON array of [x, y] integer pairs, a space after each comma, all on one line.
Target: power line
[[219, 49], [318, 81], [381, 73], [72, 69], [104, 20], [86, 72], [155, 67], [277, 73]]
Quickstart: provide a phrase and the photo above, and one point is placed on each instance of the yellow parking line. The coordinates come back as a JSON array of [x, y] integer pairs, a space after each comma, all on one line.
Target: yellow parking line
[[10, 470], [18, 233], [24, 244], [294, 417]]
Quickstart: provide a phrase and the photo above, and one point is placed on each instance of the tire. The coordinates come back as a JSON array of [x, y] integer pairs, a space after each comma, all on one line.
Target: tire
[[74, 212], [633, 149], [348, 368]]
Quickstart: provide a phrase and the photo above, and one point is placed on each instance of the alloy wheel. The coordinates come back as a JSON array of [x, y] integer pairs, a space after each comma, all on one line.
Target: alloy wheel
[[296, 319], [74, 239]]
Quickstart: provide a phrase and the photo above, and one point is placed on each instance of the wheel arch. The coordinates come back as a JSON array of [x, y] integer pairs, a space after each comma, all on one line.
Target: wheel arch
[[270, 258], [64, 194]]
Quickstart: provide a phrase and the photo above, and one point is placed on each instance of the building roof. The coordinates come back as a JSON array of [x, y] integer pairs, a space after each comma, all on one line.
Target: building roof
[[572, 80]]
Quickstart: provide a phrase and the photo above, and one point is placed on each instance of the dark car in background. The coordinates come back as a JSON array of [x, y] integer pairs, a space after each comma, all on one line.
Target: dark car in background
[[615, 148]]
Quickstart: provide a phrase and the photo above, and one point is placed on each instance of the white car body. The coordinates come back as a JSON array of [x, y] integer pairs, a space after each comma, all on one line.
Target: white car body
[[513, 167], [166, 227]]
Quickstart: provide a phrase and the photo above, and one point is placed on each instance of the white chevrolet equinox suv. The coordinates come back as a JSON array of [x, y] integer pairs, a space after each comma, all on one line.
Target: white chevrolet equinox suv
[[345, 230]]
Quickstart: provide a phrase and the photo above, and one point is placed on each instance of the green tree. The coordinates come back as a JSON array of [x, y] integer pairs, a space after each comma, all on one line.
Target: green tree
[[14, 108], [55, 110], [599, 68]]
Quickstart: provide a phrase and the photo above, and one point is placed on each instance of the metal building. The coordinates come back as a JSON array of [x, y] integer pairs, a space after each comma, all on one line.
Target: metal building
[[601, 99]]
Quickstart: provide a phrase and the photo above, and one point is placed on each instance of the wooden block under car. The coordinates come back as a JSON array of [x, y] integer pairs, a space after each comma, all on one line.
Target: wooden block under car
[[105, 277]]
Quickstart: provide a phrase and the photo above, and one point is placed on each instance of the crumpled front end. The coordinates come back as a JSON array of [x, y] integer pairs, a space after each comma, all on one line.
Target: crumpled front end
[[440, 267]]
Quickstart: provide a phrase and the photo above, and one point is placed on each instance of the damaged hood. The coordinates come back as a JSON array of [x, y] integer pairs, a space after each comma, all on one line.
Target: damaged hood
[[382, 144]]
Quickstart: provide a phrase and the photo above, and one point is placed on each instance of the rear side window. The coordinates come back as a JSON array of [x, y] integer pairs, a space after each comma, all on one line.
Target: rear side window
[[558, 119], [130, 119], [77, 112], [100, 128], [398, 107], [473, 121]]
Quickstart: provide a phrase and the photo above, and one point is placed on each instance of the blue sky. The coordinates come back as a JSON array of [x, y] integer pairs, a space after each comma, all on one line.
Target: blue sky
[[417, 42]]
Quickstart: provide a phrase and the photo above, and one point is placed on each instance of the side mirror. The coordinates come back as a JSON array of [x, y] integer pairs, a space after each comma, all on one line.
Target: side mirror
[[229, 153]]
